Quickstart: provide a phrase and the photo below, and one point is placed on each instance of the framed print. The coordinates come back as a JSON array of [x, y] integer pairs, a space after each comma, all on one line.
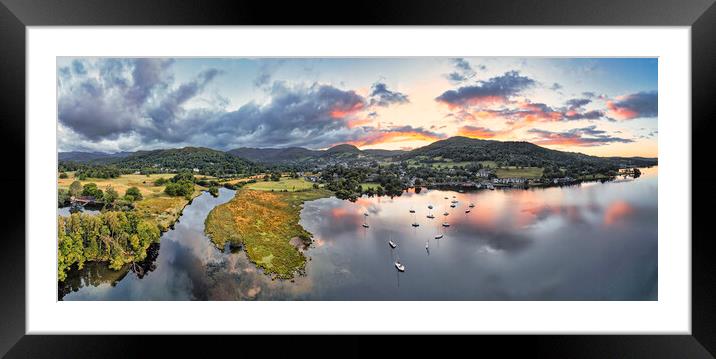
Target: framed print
[[430, 173]]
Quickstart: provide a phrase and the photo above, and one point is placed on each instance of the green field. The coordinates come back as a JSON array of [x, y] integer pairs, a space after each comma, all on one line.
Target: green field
[[286, 183], [367, 185], [525, 172], [156, 205], [266, 224]]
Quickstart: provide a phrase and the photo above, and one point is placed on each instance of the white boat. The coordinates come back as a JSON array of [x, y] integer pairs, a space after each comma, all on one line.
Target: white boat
[[467, 211], [400, 266], [391, 244], [426, 244], [415, 224], [430, 206], [412, 210], [365, 214], [438, 236], [445, 224], [453, 201], [472, 205], [452, 205], [430, 216], [445, 214], [365, 225]]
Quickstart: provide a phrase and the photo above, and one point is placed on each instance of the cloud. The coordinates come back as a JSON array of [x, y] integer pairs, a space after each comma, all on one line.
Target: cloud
[[498, 89], [640, 104], [381, 96], [576, 103], [555, 87], [265, 72], [463, 71], [395, 134], [586, 137], [476, 132], [134, 103], [128, 96], [311, 116]]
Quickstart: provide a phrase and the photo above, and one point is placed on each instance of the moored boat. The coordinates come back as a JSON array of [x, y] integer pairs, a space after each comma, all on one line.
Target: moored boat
[[400, 266]]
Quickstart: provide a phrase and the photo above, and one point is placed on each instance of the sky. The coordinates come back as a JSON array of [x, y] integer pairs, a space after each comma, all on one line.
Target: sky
[[597, 106]]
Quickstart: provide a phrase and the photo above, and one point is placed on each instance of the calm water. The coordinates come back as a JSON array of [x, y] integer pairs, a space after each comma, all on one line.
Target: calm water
[[595, 241]]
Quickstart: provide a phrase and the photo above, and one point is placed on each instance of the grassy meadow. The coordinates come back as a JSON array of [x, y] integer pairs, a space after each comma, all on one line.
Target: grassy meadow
[[286, 183], [264, 222], [524, 172]]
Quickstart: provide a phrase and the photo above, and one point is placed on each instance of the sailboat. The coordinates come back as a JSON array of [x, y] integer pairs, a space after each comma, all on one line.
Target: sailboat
[[412, 210], [365, 225], [365, 214], [415, 224], [430, 215], [445, 214], [472, 205], [430, 206], [467, 210], [452, 205], [445, 224], [427, 245], [438, 236], [399, 265], [391, 244]]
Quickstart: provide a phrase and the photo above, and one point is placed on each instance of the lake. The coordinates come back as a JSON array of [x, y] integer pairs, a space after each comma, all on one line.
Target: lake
[[593, 241]]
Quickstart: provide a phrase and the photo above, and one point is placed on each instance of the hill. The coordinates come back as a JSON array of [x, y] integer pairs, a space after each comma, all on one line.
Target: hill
[[205, 160], [303, 156], [513, 153]]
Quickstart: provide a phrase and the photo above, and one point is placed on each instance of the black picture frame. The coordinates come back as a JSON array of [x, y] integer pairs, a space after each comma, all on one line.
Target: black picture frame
[[16, 15]]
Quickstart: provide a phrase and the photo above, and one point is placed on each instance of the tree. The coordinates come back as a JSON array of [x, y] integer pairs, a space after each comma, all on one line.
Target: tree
[[63, 175], [90, 189], [133, 194], [181, 188], [110, 195], [75, 188], [63, 197]]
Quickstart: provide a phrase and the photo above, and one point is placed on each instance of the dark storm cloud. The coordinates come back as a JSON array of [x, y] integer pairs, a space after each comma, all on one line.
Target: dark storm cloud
[[585, 136], [119, 101], [641, 104], [314, 116], [496, 89], [137, 104], [380, 95]]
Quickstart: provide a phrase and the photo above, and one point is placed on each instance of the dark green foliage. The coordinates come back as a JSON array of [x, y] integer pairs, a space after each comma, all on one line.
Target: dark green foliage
[[90, 189], [160, 181], [63, 197], [75, 189], [63, 175], [115, 237], [214, 191], [182, 188], [133, 194]]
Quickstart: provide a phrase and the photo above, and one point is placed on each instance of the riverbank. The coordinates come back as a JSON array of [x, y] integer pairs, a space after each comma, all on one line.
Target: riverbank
[[266, 225]]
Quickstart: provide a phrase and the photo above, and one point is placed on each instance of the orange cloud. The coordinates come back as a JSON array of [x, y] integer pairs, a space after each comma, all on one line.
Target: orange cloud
[[344, 111], [620, 113], [475, 132]]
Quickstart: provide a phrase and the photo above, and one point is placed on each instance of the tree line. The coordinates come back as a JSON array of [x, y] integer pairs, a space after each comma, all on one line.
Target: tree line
[[116, 237]]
